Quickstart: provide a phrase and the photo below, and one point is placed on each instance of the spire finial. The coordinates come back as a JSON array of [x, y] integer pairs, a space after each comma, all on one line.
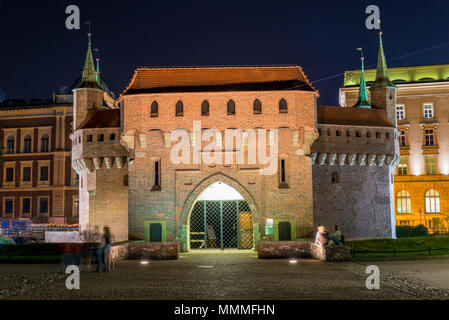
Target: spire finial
[[362, 100], [89, 76]]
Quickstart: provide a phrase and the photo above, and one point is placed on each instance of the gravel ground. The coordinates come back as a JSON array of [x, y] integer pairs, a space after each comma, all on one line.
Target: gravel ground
[[402, 279], [224, 276]]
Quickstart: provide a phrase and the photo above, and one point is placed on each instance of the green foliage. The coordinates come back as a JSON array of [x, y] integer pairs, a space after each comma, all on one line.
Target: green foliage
[[30, 259], [410, 232]]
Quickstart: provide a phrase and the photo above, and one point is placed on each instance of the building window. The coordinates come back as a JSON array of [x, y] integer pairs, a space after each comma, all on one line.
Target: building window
[[283, 107], [27, 144], [269, 227], [283, 175], [402, 141], [431, 165], [404, 202], [348, 133], [335, 177], [43, 206], [75, 206], [377, 135], [45, 143], [404, 223], [125, 180], [44, 173], [387, 135], [112, 137], [205, 108], [402, 167], [179, 109], [368, 134], [26, 206], [156, 176], [9, 177], [428, 110], [357, 134], [231, 107], [338, 133], [257, 106], [429, 137], [10, 145], [8, 207], [26, 174], [400, 112], [154, 109], [100, 138], [432, 201], [89, 138]]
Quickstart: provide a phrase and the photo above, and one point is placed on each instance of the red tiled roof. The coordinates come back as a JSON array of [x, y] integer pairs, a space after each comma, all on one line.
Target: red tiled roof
[[169, 77], [353, 117], [101, 119]]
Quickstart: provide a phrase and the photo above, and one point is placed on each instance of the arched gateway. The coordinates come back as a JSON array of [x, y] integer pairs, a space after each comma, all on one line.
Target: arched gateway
[[219, 214]]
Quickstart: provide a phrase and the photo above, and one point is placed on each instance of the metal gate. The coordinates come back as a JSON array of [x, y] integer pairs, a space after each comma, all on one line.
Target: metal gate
[[221, 225]]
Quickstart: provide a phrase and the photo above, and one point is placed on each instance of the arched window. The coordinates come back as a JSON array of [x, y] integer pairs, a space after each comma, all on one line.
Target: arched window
[[179, 109], [257, 106], [27, 144], [45, 143], [403, 202], [432, 201], [368, 134], [283, 107], [231, 107], [205, 108], [154, 109], [357, 134], [10, 145], [338, 133], [348, 133]]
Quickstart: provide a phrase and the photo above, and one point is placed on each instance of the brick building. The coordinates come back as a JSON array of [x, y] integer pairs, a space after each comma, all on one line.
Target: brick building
[[422, 111], [124, 154], [36, 178]]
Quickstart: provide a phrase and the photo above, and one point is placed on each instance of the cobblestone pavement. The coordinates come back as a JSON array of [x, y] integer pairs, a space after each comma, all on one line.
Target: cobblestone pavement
[[215, 276]]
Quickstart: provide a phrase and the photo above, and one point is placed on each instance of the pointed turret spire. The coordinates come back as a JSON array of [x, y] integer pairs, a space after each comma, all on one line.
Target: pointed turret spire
[[89, 76], [362, 101], [98, 75], [382, 79]]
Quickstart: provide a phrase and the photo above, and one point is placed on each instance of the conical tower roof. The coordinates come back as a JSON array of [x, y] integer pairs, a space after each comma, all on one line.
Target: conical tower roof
[[362, 101], [89, 75], [382, 79]]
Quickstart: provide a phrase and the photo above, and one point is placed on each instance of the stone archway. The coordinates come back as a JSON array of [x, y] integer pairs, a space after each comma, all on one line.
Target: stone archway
[[203, 185]]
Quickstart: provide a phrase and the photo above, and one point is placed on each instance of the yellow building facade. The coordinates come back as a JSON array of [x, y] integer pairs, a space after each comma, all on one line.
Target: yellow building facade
[[422, 113]]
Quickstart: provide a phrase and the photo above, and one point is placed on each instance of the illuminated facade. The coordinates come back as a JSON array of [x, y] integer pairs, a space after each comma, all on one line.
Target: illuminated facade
[[422, 111]]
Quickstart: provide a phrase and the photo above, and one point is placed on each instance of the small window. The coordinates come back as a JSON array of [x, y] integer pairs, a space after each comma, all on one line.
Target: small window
[[112, 137], [257, 106], [431, 165], [45, 143], [9, 206], [348, 133], [43, 205], [26, 205], [89, 138], [26, 174], [269, 227], [231, 107], [428, 110], [335, 177], [125, 180], [100, 138], [320, 131], [205, 108], [27, 144], [338, 133], [10, 145], [357, 134], [402, 167], [400, 112], [387, 135], [157, 176], [377, 135], [402, 139], [368, 134], [179, 109], [283, 107], [44, 173], [328, 132], [9, 174], [283, 175], [154, 109]]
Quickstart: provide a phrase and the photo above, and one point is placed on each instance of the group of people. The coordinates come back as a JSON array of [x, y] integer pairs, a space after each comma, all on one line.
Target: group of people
[[98, 250], [323, 238]]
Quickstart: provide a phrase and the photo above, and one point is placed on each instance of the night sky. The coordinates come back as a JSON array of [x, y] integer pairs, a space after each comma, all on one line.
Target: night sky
[[38, 55]]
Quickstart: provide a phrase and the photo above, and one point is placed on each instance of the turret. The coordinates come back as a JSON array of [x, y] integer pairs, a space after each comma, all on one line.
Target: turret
[[383, 91], [88, 94], [362, 101]]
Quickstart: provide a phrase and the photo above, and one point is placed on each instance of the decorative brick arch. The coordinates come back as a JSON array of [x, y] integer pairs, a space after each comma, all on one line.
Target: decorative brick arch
[[206, 183]]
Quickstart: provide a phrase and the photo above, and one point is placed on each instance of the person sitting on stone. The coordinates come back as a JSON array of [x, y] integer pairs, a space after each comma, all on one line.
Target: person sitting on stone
[[336, 237], [322, 237]]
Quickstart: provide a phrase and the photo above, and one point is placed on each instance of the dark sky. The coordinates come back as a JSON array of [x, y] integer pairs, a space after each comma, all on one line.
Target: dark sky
[[38, 54]]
